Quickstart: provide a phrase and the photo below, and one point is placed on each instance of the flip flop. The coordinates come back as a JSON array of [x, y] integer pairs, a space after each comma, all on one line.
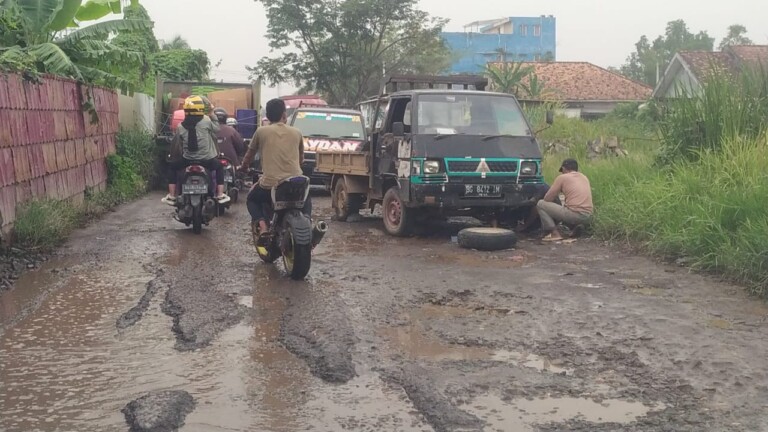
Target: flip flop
[[549, 238]]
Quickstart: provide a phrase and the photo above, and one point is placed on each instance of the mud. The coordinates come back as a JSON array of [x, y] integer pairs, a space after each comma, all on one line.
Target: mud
[[135, 314], [14, 261], [159, 412], [409, 334], [441, 414]]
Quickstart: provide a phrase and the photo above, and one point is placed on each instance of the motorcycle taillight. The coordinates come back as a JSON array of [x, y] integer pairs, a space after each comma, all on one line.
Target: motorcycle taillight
[[224, 162], [195, 169]]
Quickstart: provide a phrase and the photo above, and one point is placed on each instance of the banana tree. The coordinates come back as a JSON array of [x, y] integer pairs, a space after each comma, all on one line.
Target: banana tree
[[507, 77], [51, 32]]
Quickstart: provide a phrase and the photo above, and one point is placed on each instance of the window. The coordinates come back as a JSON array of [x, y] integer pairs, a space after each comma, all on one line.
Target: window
[[523, 30], [537, 30], [329, 125], [449, 114]]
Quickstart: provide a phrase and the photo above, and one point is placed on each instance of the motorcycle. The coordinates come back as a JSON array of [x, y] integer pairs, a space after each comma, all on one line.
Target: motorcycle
[[196, 205], [230, 183], [290, 234]]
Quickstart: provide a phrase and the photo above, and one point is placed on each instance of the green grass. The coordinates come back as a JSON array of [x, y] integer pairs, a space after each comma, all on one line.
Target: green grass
[[695, 183], [45, 224]]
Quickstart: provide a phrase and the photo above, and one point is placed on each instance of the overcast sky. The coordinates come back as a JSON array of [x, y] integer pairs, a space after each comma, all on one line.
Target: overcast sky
[[602, 32]]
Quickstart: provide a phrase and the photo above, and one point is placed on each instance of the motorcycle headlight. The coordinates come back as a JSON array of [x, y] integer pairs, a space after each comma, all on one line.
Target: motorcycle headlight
[[431, 167], [528, 168]]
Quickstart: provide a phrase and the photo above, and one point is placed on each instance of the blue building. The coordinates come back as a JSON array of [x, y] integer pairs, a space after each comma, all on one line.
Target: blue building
[[507, 39]]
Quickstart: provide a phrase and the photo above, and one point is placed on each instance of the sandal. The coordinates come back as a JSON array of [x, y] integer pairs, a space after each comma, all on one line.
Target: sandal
[[549, 238]]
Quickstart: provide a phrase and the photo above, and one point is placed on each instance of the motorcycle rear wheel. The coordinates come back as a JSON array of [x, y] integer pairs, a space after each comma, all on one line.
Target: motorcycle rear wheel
[[298, 259], [197, 220]]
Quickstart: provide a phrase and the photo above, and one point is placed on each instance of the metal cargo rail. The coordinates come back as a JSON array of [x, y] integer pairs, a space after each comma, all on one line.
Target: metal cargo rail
[[393, 83]]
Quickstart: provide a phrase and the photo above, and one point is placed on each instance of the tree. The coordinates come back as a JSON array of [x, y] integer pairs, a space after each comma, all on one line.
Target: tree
[[507, 77], [342, 48], [650, 59], [181, 64], [44, 32], [177, 43], [736, 36]]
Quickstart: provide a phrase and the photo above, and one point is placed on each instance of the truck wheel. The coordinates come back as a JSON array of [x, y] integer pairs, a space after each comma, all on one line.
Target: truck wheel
[[397, 217], [344, 203], [487, 239]]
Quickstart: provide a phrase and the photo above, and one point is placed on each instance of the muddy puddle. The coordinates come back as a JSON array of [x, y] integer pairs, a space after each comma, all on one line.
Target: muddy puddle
[[524, 414], [413, 340]]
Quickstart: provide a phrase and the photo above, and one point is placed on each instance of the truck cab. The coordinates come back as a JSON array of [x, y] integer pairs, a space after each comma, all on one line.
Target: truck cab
[[441, 152], [327, 129]]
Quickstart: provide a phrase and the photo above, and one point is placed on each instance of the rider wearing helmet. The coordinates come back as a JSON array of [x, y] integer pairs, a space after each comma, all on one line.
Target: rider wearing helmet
[[195, 139], [231, 143]]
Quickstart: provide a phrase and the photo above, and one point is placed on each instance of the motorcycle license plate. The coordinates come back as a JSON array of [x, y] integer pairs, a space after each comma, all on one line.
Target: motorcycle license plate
[[194, 189], [482, 191], [228, 179]]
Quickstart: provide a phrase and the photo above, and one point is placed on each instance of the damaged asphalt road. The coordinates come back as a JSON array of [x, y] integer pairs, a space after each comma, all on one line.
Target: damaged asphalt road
[[139, 325]]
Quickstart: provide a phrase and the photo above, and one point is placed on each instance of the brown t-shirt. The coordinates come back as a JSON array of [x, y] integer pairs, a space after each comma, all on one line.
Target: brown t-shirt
[[282, 148], [577, 190]]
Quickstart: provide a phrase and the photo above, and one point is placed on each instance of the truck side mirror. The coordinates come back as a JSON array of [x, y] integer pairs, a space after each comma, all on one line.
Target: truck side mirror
[[398, 129], [550, 117]]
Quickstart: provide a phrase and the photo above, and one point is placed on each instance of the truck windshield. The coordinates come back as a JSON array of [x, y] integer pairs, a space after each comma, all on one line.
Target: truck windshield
[[329, 125], [448, 114]]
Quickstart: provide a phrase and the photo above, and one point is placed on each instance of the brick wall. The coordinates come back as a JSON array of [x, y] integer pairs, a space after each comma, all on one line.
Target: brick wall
[[48, 146]]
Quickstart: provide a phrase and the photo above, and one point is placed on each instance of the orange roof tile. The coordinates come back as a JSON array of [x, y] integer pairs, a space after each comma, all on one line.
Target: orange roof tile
[[582, 81]]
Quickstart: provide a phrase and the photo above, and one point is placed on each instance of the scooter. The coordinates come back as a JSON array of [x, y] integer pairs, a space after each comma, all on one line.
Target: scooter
[[290, 234], [196, 206]]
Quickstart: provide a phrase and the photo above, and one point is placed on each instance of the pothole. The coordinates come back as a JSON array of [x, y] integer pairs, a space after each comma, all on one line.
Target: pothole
[[523, 414]]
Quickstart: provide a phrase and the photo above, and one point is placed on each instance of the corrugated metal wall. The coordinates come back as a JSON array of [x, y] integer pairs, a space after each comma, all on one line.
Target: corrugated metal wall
[[48, 146]]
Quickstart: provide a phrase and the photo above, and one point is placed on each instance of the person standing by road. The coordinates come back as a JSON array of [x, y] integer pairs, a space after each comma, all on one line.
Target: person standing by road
[[577, 208]]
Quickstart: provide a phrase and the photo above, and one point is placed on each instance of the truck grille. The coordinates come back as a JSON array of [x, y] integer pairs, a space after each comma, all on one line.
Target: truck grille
[[471, 166]]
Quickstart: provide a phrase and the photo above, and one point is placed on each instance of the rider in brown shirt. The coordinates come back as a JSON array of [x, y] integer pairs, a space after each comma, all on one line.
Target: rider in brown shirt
[[282, 152]]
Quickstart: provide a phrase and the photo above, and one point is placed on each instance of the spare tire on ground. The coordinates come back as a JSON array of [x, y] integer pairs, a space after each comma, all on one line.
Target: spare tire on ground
[[487, 239]]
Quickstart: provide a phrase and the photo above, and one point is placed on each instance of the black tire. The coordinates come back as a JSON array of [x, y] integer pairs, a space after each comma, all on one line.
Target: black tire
[[220, 209], [234, 194], [344, 203], [299, 232], [487, 239], [197, 220], [398, 219]]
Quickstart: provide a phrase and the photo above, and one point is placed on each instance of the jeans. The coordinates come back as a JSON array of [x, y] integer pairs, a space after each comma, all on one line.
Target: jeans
[[210, 165], [550, 213], [259, 198]]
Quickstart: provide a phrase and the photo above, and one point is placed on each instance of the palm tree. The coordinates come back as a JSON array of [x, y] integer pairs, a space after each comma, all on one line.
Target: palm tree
[[177, 43], [49, 32]]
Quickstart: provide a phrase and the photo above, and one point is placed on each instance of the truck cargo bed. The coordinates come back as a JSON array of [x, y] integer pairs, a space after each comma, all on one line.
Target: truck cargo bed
[[353, 163]]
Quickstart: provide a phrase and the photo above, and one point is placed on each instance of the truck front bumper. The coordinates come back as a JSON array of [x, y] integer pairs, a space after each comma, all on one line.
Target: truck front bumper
[[452, 196]]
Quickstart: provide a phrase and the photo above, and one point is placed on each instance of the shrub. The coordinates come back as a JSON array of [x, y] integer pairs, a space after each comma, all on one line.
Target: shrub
[[45, 224]]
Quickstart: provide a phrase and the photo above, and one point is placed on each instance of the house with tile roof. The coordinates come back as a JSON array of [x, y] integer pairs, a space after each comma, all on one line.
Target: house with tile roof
[[586, 90], [689, 70]]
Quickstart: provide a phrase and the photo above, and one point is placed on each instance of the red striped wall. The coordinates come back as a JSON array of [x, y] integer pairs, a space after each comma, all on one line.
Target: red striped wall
[[48, 146]]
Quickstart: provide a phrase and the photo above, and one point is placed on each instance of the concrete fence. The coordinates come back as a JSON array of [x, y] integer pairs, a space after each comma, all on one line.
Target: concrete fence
[[137, 111], [48, 146]]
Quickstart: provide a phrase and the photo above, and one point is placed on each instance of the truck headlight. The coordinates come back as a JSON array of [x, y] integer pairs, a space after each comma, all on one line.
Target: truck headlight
[[528, 168], [431, 167]]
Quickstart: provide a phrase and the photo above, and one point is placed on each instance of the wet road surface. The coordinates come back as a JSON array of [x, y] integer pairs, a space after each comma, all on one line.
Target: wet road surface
[[139, 321]]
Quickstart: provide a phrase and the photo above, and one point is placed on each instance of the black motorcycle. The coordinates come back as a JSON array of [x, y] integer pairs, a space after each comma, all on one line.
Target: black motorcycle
[[290, 234]]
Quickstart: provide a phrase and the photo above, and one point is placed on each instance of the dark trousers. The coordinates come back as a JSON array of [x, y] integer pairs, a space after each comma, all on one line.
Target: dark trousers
[[259, 198], [212, 165]]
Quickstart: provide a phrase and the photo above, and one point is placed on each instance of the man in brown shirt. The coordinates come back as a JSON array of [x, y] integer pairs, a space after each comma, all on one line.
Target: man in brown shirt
[[282, 152], [577, 208]]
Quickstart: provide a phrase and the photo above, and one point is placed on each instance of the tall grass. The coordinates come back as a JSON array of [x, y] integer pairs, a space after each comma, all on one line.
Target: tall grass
[[727, 107], [711, 212]]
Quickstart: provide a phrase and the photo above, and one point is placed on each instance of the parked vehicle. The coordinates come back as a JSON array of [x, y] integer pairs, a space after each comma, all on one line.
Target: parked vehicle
[[292, 102], [291, 234], [230, 183], [439, 152], [327, 129], [196, 206]]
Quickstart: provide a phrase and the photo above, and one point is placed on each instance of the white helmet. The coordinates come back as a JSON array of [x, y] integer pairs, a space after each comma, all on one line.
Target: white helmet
[[231, 122]]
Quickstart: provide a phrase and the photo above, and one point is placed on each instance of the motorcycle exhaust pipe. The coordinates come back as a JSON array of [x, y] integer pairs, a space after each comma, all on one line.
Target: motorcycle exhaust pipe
[[318, 232]]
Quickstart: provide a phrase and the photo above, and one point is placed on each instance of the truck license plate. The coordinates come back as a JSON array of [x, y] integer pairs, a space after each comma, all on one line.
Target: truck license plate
[[194, 189], [482, 191]]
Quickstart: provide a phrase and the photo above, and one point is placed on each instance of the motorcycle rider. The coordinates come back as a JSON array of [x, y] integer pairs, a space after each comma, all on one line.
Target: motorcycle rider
[[195, 143], [231, 143], [282, 153]]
